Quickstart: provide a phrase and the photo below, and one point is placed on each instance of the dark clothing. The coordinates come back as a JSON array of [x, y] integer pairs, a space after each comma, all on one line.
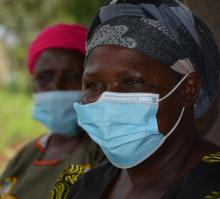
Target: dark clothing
[[203, 181]]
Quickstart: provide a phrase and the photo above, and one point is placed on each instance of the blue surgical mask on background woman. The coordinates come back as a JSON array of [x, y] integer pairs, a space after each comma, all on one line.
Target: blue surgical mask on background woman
[[54, 109], [125, 125]]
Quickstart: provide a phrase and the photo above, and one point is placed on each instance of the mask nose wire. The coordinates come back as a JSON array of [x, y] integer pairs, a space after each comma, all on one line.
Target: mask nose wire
[[174, 89]]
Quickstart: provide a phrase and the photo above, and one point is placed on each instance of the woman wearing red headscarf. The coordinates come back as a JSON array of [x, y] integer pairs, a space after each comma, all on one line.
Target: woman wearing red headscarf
[[55, 61]]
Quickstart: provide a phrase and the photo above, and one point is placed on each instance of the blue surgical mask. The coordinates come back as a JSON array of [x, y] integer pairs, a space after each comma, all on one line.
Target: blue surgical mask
[[54, 110], [124, 125]]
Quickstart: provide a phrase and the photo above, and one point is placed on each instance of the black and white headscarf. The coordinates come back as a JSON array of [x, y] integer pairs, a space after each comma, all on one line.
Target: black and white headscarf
[[165, 30]]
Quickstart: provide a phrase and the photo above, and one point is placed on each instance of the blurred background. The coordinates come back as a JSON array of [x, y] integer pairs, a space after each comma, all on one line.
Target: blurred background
[[20, 21]]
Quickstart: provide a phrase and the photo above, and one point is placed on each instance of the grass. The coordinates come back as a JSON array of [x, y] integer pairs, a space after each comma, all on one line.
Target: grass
[[16, 124]]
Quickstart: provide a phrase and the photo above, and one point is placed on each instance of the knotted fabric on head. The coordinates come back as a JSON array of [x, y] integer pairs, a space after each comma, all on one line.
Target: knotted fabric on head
[[58, 36], [165, 30]]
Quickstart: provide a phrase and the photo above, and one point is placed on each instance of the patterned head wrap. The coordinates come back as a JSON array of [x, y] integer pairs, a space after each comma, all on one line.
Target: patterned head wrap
[[165, 30]]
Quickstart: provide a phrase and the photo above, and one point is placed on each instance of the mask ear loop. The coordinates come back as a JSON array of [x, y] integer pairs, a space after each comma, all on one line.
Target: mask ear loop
[[177, 123], [183, 109], [171, 131], [173, 90]]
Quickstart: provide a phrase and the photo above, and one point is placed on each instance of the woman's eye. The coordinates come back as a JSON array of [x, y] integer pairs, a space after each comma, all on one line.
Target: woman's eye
[[95, 85], [135, 82], [46, 78]]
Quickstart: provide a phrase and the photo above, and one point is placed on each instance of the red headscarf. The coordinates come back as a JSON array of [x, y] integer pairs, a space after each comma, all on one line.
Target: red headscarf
[[57, 36]]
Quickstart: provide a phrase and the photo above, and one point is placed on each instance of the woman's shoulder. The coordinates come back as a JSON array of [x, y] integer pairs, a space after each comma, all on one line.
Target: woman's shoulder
[[17, 166], [21, 159], [203, 181], [93, 183], [75, 180]]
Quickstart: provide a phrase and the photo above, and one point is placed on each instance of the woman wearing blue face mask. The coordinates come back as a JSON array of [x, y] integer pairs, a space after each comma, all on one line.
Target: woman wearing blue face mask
[[55, 60], [151, 69]]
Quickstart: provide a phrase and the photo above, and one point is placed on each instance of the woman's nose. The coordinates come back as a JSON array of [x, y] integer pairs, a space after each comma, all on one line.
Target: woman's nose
[[58, 83]]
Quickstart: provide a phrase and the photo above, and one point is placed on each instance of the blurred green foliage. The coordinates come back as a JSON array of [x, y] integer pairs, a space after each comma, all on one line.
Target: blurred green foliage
[[25, 18], [17, 124]]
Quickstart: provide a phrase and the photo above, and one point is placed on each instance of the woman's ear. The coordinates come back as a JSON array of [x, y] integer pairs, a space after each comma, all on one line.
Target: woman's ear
[[190, 90]]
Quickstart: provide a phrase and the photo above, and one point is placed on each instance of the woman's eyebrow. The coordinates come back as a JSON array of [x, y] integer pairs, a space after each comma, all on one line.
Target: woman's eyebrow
[[43, 71], [130, 73], [90, 75], [44, 68]]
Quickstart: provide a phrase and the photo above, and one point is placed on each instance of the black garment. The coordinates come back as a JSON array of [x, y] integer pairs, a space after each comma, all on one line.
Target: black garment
[[203, 181]]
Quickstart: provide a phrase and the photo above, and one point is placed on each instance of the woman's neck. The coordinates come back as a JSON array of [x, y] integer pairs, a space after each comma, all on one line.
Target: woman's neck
[[166, 166], [60, 147], [153, 178]]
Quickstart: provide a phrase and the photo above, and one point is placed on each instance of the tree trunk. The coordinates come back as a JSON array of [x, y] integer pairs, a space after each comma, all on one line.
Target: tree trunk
[[209, 11]]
